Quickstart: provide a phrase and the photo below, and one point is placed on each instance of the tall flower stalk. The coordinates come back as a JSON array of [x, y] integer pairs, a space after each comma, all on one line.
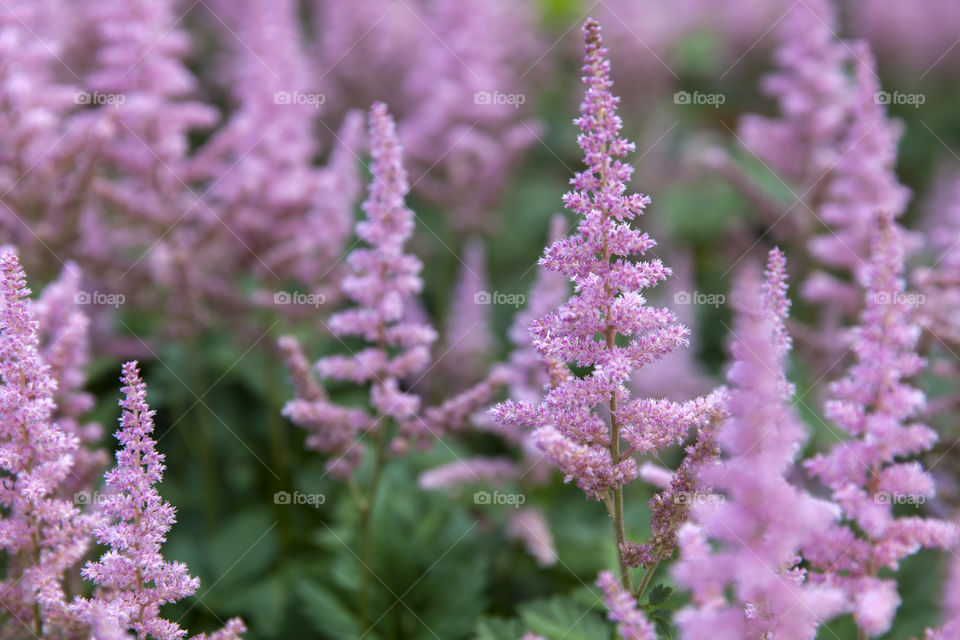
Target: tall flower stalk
[[606, 325], [875, 405], [42, 534], [134, 579], [749, 584], [382, 281]]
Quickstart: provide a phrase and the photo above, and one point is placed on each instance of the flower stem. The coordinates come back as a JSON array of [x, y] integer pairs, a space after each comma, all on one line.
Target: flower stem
[[647, 577], [618, 525], [618, 528], [366, 527]]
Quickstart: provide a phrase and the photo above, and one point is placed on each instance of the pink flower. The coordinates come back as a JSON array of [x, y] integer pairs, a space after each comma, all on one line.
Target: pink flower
[[42, 535], [758, 520], [869, 472], [134, 579], [631, 622], [607, 302]]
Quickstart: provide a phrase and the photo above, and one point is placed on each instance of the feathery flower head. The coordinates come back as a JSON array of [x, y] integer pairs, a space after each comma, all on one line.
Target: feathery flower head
[[65, 346], [863, 185], [42, 535], [868, 473], [763, 521], [812, 90], [631, 623], [607, 303], [134, 578], [381, 282]]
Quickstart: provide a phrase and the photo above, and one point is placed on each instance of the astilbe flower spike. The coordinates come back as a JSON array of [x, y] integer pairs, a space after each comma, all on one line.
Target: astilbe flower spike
[[287, 218], [134, 579], [750, 587], [42, 534], [876, 407], [862, 183], [65, 347], [811, 89], [607, 303], [382, 280]]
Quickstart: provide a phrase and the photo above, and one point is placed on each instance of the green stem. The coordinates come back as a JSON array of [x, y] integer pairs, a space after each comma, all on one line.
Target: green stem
[[647, 577], [366, 527], [619, 529]]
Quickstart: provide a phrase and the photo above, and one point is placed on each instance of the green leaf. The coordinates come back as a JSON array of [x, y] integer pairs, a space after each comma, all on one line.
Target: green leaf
[[664, 629], [659, 594], [330, 615], [562, 617], [490, 628]]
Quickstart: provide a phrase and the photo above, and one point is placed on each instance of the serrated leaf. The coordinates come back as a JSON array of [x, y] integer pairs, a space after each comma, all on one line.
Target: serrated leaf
[[329, 614], [562, 617], [664, 629], [659, 594]]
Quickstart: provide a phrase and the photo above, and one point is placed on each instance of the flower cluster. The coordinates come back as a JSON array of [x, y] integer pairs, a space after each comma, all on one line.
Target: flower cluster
[[45, 535], [134, 579], [383, 281], [764, 521], [869, 473], [42, 534], [213, 181], [118, 158], [607, 303]]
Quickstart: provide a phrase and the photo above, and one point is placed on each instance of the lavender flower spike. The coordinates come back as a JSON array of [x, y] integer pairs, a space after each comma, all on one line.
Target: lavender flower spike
[[764, 521], [42, 536], [870, 472], [134, 579], [607, 303], [382, 280]]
